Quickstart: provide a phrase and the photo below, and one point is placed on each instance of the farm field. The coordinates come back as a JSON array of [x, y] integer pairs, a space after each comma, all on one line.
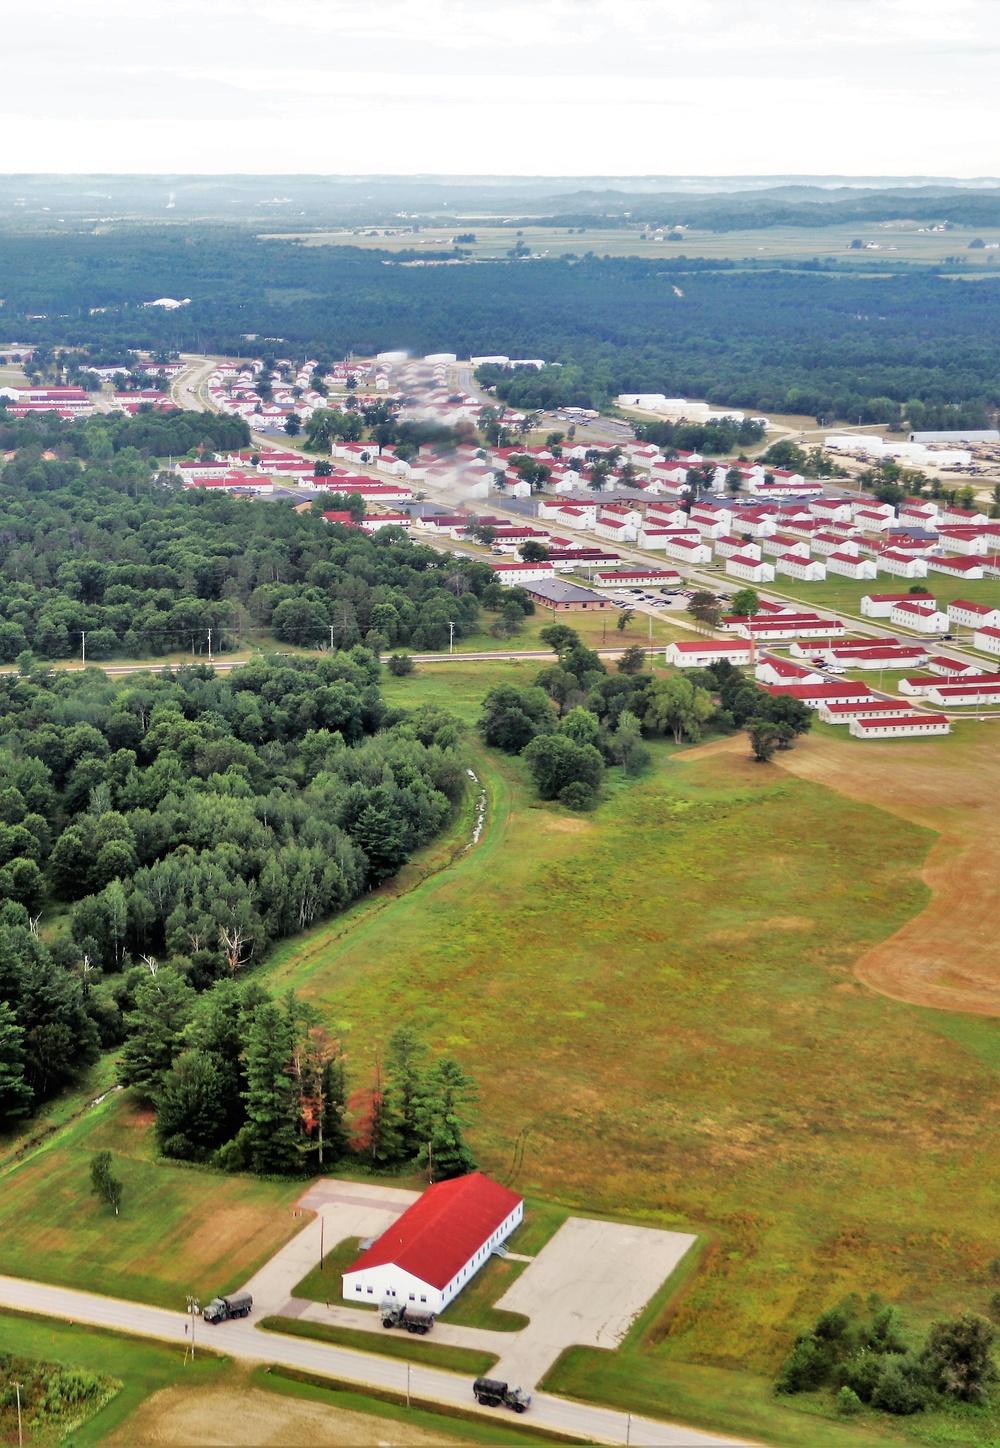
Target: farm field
[[180, 1230], [896, 241], [659, 1001]]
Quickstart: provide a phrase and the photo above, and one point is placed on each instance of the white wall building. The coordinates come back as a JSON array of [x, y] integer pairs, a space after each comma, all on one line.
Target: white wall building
[[752, 570], [437, 1245], [922, 618], [849, 565]]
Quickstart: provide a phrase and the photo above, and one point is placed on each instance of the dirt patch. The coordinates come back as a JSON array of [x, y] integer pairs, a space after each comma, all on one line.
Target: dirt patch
[[566, 825], [948, 956], [252, 1418]]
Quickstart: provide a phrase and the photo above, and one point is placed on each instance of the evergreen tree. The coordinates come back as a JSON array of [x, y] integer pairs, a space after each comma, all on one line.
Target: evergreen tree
[[16, 1096], [335, 1133], [218, 1032], [373, 1131], [102, 1183], [271, 1100], [442, 1112], [403, 1059], [192, 1107], [164, 1005]]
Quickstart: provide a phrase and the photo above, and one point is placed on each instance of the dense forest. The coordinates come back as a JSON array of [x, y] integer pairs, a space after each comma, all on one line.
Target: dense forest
[[187, 822], [110, 551], [834, 343]]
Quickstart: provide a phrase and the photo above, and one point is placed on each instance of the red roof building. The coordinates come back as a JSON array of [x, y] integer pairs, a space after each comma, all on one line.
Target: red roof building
[[437, 1245]]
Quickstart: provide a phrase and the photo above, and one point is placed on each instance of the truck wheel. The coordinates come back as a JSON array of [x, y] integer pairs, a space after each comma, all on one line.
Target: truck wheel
[[518, 1407], [386, 1322], [422, 1331], [480, 1401]]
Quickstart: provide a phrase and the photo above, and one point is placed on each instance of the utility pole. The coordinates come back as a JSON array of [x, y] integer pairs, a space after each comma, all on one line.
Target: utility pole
[[451, 637], [20, 1434], [628, 1429], [83, 648], [407, 1384], [322, 1224], [192, 1306], [210, 646], [331, 638]]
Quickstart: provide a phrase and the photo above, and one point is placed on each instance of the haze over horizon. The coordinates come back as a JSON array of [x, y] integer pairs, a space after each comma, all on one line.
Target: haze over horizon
[[725, 88]]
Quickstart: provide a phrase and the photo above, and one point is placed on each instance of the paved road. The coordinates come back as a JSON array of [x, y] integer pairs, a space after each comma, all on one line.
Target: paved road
[[243, 1340]]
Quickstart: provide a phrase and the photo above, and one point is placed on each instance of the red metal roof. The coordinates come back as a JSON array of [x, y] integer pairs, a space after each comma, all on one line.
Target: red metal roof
[[446, 1226]]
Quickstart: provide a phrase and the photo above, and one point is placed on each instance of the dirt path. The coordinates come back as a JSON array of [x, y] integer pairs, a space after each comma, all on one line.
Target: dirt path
[[948, 956], [251, 1418]]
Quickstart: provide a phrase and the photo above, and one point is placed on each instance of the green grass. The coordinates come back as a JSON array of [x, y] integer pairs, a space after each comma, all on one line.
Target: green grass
[[390, 1406], [388, 1343], [659, 1005], [143, 1367], [325, 1284], [847, 593], [181, 1230], [473, 1307]]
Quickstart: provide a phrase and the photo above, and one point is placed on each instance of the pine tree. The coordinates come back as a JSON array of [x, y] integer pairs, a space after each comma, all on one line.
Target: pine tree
[[404, 1080], [164, 1004], [16, 1096], [335, 1132], [441, 1114], [271, 1100], [373, 1131]]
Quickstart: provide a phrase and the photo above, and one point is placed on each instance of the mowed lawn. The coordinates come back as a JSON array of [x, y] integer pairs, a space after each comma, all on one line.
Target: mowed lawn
[[847, 593], [180, 1230], [659, 1005]]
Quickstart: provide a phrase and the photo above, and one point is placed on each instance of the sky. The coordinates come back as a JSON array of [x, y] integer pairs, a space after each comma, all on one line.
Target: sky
[[512, 87]]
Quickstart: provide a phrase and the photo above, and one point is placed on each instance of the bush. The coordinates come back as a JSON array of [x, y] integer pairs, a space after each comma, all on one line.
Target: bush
[[901, 1388], [958, 1357], [400, 665], [806, 1368], [578, 796], [848, 1403]]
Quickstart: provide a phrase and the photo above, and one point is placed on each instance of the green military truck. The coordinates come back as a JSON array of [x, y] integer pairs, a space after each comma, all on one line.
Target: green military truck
[[492, 1393], [402, 1314], [222, 1309]]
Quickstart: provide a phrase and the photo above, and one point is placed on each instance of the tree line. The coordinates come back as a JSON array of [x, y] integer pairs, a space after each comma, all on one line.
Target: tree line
[[187, 822], [837, 345], [248, 1083]]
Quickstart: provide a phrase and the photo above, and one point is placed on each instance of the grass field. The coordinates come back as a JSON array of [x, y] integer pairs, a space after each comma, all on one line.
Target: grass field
[[180, 1230], [898, 242], [847, 593], [660, 1004], [408, 1346]]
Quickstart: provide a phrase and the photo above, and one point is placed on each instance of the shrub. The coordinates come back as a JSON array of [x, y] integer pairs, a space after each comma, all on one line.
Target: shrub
[[806, 1368], [401, 665], [578, 796], [901, 1388], [848, 1403], [958, 1357]]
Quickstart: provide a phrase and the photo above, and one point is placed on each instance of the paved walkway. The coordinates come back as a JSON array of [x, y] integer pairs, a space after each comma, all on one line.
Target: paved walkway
[[242, 1340]]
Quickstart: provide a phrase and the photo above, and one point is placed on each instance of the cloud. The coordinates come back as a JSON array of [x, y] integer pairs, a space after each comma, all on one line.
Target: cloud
[[542, 86]]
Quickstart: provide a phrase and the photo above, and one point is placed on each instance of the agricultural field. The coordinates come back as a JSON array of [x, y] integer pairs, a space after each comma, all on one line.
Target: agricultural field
[[896, 242]]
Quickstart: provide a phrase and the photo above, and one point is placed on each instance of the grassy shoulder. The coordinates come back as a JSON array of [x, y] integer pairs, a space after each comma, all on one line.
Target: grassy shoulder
[[325, 1284], [180, 1230], [403, 1345], [437, 1420]]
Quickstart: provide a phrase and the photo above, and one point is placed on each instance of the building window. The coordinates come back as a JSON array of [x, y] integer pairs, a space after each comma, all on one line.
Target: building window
[[358, 1287], [412, 1297], [369, 1290], [423, 1299]]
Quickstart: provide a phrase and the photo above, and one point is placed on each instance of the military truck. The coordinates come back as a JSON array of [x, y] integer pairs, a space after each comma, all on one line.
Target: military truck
[[221, 1309], [402, 1314], [491, 1393]]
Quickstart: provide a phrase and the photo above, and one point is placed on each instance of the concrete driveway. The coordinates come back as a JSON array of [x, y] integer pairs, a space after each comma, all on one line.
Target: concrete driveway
[[346, 1209], [586, 1286]]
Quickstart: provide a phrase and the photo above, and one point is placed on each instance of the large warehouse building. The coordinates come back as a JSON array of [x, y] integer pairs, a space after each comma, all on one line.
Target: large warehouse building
[[437, 1245]]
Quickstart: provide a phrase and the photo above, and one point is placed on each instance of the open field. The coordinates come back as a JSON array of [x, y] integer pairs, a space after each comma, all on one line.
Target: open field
[[948, 956], [659, 1001], [897, 242], [180, 1230]]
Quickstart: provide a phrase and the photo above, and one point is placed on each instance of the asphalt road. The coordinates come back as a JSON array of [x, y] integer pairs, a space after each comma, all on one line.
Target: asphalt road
[[243, 1340]]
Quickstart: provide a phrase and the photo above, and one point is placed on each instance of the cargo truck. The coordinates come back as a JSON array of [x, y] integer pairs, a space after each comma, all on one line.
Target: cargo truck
[[221, 1309], [401, 1314], [493, 1394]]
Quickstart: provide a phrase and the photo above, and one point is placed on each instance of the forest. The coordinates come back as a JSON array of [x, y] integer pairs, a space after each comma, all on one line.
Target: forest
[[112, 552], [803, 338], [187, 822]]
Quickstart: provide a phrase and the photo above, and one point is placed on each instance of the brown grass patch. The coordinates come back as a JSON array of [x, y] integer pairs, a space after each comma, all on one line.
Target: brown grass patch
[[249, 1417], [949, 955]]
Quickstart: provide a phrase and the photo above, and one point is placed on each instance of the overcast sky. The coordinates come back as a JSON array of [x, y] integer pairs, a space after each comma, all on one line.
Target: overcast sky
[[518, 87]]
